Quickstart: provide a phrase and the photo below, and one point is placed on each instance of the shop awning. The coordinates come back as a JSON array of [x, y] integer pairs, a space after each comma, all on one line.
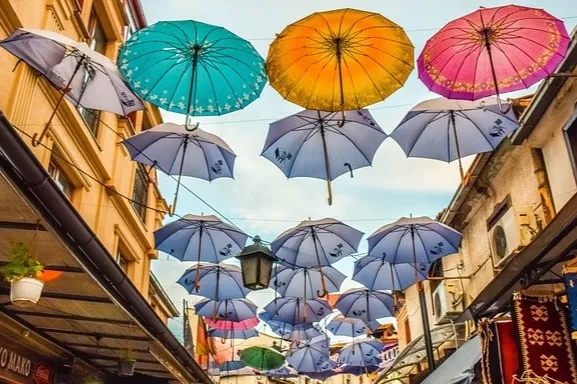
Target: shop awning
[[459, 368], [92, 312], [415, 353], [537, 262]]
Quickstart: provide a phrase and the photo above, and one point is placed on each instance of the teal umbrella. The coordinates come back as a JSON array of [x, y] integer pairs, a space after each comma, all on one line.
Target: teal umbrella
[[192, 68]]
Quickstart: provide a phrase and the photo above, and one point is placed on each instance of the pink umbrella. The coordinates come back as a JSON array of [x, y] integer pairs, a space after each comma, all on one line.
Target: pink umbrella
[[228, 325], [493, 51]]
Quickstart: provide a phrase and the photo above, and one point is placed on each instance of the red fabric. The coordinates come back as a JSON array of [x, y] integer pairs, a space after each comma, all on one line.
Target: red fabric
[[228, 325], [543, 338], [499, 361], [508, 350]]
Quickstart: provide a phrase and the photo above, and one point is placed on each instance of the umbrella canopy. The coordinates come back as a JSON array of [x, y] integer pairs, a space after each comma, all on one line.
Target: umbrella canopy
[[85, 77], [315, 243], [182, 150], [200, 238], [358, 371], [230, 366], [305, 282], [287, 331], [379, 275], [340, 60], [345, 326], [294, 310], [361, 354], [239, 334], [414, 240], [363, 304], [446, 130], [493, 51], [216, 281], [249, 323], [192, 68], [284, 372], [229, 309], [313, 144], [323, 371], [310, 355], [262, 358]]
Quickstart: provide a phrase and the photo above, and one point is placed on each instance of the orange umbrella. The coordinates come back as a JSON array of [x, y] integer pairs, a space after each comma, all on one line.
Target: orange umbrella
[[340, 60]]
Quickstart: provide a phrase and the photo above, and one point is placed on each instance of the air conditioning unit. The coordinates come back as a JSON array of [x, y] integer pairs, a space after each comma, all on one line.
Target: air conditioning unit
[[509, 235], [447, 301]]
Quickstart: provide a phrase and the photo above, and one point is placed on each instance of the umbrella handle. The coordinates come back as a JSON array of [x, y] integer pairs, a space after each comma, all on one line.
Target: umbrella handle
[[342, 122], [348, 165], [323, 294]]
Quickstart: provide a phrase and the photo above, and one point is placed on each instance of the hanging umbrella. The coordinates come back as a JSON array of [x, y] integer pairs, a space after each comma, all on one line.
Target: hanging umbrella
[[316, 243], [379, 275], [192, 68], [230, 367], [323, 371], [227, 334], [249, 323], [345, 326], [340, 60], [287, 331], [85, 77], [361, 353], [184, 151], [310, 355], [364, 304], [446, 130], [312, 144], [414, 240], [284, 372], [229, 309], [306, 282], [200, 238], [262, 358], [294, 310], [301, 332], [358, 371], [216, 281], [493, 51]]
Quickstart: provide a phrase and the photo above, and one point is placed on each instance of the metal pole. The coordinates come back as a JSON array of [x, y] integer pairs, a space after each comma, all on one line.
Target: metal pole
[[424, 313], [327, 164]]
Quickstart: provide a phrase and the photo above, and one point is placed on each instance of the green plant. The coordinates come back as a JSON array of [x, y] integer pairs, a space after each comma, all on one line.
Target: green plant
[[128, 355], [21, 264]]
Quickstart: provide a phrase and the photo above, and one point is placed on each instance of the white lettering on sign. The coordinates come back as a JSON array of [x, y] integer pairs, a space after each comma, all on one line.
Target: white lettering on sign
[[14, 362]]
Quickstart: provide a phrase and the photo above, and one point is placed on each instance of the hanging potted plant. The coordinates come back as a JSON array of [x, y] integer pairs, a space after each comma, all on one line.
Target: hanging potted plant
[[126, 363], [22, 271]]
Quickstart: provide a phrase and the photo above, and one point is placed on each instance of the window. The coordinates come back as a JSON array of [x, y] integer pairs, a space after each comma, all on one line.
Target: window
[[62, 181], [98, 43], [122, 261], [571, 136], [140, 192]]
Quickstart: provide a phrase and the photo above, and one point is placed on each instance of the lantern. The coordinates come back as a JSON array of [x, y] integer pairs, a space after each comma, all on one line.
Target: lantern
[[256, 264]]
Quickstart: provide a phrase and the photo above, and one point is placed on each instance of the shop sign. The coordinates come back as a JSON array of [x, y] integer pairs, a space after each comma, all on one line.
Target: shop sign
[[19, 364]]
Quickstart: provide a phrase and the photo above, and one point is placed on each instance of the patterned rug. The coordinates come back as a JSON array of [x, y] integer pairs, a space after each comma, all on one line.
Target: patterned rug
[[544, 344], [499, 360], [571, 288]]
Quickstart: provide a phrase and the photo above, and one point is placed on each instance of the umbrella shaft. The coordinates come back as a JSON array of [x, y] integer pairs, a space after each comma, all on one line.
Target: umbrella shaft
[[180, 174], [327, 163], [196, 48], [492, 65], [454, 124]]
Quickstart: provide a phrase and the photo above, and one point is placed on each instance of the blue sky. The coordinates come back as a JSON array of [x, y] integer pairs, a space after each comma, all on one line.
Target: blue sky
[[260, 200]]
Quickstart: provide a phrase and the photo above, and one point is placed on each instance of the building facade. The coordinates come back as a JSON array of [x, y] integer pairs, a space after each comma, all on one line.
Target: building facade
[[106, 300], [503, 209]]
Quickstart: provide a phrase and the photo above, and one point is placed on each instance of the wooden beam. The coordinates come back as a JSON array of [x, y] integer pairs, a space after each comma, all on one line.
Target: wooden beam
[[65, 296], [104, 347], [116, 358], [72, 317], [136, 369], [95, 335], [59, 268], [21, 225]]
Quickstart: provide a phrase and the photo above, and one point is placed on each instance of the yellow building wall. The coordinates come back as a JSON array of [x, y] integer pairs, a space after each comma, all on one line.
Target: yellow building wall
[[89, 161]]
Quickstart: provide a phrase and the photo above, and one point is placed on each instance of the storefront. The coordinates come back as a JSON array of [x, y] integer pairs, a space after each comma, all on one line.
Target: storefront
[[20, 364]]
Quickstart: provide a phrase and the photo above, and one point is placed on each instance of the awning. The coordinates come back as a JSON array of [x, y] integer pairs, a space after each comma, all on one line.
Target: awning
[[556, 243], [459, 368], [92, 312]]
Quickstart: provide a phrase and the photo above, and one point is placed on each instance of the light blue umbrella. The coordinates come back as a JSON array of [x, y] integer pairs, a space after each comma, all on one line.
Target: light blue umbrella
[[200, 238], [323, 371], [192, 68], [228, 309], [287, 331], [361, 353], [294, 310], [310, 355], [233, 334], [367, 305], [316, 144], [284, 372], [306, 282], [347, 326], [414, 240], [379, 275], [448, 130], [215, 281]]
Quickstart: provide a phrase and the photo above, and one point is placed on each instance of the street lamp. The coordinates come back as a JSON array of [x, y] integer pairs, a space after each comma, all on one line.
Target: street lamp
[[256, 264]]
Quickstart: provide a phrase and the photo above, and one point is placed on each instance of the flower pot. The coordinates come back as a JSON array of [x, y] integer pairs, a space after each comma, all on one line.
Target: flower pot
[[26, 291], [126, 367]]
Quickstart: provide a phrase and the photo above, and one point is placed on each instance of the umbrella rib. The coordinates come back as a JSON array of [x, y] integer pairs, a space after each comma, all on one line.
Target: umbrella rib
[[231, 88], [420, 133], [401, 237], [140, 151], [459, 113], [289, 171]]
